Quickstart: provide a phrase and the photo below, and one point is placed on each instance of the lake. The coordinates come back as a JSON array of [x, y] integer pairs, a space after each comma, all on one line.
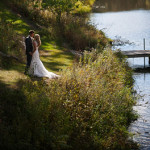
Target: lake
[[128, 23]]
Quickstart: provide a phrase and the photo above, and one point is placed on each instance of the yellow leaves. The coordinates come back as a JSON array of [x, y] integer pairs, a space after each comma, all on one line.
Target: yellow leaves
[[35, 83], [81, 8]]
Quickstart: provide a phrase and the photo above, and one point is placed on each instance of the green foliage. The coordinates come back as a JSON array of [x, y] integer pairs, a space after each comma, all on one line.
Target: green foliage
[[60, 6], [10, 42], [81, 35], [67, 6], [57, 5], [65, 27], [89, 107], [81, 8], [129, 80]]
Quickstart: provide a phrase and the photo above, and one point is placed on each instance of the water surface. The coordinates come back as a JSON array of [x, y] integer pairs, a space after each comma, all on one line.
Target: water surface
[[129, 21]]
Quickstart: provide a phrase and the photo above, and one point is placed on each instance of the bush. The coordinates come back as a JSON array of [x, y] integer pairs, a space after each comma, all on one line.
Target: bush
[[10, 42], [89, 107], [81, 35], [72, 28]]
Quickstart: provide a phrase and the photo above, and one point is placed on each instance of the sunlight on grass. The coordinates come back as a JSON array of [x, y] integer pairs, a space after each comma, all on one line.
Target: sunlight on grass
[[11, 74], [55, 58], [20, 25], [11, 77]]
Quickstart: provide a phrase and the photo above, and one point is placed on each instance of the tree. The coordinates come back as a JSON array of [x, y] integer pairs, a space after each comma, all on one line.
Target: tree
[[60, 6]]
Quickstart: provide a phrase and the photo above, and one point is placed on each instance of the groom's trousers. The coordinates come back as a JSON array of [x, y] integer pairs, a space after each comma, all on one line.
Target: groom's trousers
[[29, 58]]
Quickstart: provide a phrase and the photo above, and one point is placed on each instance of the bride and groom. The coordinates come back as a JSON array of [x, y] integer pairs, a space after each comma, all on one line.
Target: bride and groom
[[34, 65]]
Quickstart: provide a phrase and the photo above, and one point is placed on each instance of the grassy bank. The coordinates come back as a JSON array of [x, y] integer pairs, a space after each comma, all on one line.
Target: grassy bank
[[89, 107], [13, 27], [72, 27]]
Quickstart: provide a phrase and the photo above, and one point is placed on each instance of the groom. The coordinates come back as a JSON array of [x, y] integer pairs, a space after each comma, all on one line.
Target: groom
[[29, 50]]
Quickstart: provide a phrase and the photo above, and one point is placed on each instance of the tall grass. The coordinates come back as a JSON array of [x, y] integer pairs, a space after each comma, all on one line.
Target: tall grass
[[81, 35], [89, 107]]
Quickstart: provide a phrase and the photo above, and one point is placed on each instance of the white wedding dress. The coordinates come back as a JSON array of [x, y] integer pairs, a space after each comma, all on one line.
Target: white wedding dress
[[37, 68]]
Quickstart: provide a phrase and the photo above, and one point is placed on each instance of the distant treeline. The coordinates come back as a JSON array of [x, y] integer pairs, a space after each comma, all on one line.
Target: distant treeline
[[120, 5]]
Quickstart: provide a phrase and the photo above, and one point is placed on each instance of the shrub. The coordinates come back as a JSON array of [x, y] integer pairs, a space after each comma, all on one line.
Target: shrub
[[10, 42], [89, 107], [72, 28], [81, 35]]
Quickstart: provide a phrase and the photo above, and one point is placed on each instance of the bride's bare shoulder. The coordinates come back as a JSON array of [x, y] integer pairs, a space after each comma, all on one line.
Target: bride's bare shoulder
[[34, 43]]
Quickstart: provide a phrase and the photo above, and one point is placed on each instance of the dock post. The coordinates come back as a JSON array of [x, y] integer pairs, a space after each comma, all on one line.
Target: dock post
[[144, 49]]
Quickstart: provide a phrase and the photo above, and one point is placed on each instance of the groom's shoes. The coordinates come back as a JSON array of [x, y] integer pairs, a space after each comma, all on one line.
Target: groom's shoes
[[26, 70], [25, 73]]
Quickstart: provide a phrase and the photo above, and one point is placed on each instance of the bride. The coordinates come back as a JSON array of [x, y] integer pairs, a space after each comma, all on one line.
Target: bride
[[37, 68]]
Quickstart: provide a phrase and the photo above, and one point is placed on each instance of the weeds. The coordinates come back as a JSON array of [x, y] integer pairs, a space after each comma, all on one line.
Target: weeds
[[89, 107]]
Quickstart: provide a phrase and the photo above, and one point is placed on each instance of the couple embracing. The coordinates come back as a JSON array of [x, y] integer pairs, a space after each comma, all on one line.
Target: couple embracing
[[34, 65]]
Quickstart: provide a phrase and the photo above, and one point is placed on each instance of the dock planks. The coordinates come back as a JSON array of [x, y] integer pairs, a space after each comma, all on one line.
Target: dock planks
[[136, 53]]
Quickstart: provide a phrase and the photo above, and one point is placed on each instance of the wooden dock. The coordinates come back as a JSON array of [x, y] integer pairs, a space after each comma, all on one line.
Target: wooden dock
[[136, 53]]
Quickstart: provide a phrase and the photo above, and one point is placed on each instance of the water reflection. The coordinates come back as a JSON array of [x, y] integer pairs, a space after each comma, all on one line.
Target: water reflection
[[130, 26], [120, 5], [141, 127], [130, 20]]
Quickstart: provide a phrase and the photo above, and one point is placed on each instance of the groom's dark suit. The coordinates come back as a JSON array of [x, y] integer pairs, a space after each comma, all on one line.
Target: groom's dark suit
[[29, 48]]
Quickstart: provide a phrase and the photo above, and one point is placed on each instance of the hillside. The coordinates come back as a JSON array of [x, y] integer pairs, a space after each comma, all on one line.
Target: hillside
[[89, 107], [53, 56]]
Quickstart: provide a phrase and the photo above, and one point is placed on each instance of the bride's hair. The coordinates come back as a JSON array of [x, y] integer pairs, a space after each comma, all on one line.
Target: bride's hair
[[37, 38]]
